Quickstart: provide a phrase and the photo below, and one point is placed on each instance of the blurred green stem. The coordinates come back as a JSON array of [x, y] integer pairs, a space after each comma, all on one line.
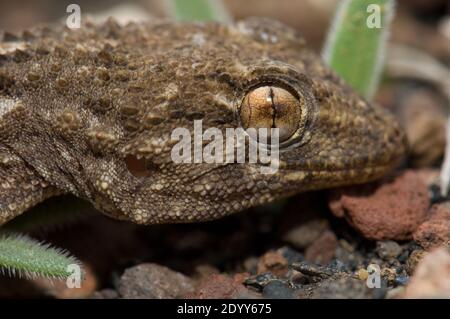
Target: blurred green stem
[[20, 255], [198, 10], [356, 43]]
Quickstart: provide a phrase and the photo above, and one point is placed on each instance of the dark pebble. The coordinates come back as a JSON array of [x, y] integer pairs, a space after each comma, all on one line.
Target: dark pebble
[[379, 293], [337, 265], [388, 249], [401, 280], [403, 256], [260, 281], [278, 290], [434, 191], [312, 270], [291, 255]]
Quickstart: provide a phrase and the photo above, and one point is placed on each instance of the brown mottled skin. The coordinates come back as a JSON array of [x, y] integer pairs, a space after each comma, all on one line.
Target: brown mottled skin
[[79, 109]]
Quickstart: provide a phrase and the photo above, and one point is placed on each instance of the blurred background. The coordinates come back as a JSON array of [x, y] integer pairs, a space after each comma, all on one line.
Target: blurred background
[[423, 23]]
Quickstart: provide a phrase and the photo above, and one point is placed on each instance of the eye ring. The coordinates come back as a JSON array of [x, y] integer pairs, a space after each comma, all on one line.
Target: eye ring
[[273, 105]]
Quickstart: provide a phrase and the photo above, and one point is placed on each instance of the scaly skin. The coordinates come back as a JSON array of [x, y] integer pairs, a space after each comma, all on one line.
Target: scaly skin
[[81, 110]]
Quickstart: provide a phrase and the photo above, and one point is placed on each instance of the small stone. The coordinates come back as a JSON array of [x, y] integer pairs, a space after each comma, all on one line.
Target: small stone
[[403, 257], [291, 255], [204, 270], [388, 249], [342, 288], [338, 265], [389, 274], [305, 234], [250, 264], [313, 271], [260, 281], [401, 280], [362, 274], [218, 286], [395, 293], [432, 276], [152, 281], [105, 294], [414, 258], [274, 262], [392, 210], [323, 250], [278, 290]]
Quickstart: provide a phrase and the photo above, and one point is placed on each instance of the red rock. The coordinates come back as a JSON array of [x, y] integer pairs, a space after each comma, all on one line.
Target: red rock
[[391, 210], [274, 262], [323, 250], [218, 286], [241, 277], [432, 276], [436, 230]]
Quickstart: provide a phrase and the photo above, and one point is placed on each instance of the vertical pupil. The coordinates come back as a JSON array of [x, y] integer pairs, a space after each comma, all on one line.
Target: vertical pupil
[[271, 107], [271, 99]]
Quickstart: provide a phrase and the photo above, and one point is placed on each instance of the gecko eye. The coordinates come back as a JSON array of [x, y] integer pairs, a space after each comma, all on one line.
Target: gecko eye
[[271, 107]]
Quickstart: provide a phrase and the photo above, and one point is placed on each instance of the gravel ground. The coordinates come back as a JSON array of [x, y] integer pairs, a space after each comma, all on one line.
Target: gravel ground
[[293, 249]]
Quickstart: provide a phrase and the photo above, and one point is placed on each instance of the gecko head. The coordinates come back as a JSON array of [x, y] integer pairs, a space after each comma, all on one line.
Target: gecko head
[[254, 75]]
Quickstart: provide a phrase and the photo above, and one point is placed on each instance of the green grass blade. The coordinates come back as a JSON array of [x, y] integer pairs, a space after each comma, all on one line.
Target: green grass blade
[[198, 10], [26, 257], [353, 49]]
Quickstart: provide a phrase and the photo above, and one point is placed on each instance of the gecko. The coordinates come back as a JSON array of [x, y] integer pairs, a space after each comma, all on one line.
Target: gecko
[[90, 112]]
